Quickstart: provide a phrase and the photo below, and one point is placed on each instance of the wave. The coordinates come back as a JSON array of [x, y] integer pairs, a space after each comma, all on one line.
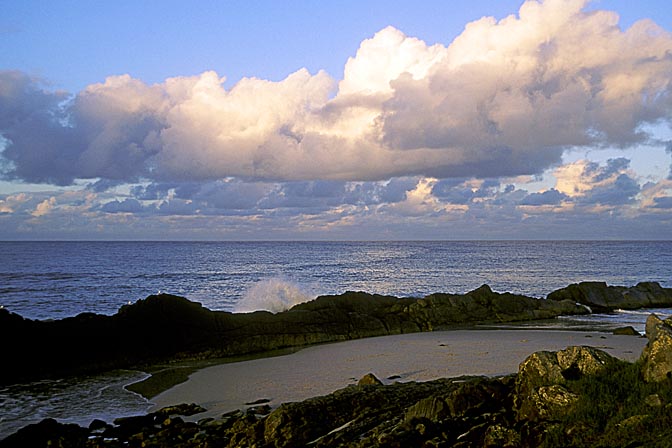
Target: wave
[[274, 295], [646, 311]]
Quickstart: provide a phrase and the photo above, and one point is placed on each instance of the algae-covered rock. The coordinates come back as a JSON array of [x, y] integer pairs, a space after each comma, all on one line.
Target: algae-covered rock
[[657, 355], [369, 380], [540, 393]]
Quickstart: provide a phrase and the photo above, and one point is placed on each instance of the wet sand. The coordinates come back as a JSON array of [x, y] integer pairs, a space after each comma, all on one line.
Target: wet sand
[[322, 369]]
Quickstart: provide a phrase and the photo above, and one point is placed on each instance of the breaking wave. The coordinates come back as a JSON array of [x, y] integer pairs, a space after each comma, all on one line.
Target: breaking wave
[[274, 295]]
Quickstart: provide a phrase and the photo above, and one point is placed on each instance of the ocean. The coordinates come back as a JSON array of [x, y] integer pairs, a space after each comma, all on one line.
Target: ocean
[[53, 280]]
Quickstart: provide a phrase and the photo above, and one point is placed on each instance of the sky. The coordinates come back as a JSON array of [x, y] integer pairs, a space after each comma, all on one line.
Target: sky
[[335, 120]]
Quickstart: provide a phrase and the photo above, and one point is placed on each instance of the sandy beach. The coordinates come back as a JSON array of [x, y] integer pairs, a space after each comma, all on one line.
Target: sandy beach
[[322, 369]]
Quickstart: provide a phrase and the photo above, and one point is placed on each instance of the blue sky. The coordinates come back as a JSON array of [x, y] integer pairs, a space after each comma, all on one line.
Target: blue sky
[[335, 120]]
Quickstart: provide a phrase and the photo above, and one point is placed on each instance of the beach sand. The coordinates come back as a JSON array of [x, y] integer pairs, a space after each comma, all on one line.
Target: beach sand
[[322, 369]]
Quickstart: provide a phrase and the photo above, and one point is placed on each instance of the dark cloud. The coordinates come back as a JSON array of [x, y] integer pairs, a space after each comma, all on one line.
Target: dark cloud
[[103, 185], [548, 197], [126, 206], [93, 135], [622, 191], [178, 207], [152, 191], [663, 202]]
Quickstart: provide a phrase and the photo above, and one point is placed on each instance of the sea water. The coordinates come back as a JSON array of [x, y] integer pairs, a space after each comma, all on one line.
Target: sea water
[[53, 280]]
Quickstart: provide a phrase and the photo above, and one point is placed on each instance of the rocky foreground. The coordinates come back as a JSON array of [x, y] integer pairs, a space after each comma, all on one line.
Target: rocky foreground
[[579, 397], [165, 328]]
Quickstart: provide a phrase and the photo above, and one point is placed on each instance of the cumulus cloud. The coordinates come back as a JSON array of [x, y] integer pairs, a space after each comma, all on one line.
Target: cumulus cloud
[[505, 98], [44, 207], [548, 197]]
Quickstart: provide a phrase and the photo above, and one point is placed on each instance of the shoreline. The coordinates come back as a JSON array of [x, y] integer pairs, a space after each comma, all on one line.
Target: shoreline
[[415, 357], [164, 376]]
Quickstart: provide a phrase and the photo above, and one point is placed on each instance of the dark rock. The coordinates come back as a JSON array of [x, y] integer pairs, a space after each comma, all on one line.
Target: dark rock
[[98, 425], [656, 358], [260, 410], [184, 409], [166, 327], [48, 432], [430, 408], [626, 331], [600, 298], [126, 427], [500, 436], [260, 401]]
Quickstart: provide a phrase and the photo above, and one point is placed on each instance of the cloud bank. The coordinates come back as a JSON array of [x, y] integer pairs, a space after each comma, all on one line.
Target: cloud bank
[[505, 98]]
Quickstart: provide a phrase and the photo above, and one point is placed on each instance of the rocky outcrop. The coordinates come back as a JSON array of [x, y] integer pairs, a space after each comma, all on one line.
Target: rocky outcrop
[[165, 327], [601, 298], [657, 355]]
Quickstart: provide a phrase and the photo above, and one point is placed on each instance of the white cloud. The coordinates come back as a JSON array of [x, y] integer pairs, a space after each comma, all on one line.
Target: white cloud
[[505, 98], [45, 207]]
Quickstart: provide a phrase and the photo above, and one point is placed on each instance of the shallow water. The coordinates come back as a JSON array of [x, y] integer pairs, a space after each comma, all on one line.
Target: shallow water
[[74, 400]]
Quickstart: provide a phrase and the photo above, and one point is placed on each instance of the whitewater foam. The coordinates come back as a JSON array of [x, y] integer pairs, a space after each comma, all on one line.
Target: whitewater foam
[[274, 295]]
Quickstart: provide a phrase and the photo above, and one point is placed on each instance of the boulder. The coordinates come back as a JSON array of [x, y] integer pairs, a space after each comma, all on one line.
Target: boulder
[[601, 298], [369, 380], [656, 357], [48, 432], [539, 385], [626, 331]]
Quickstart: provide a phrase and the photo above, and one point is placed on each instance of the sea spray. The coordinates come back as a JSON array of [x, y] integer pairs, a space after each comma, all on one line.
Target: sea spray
[[274, 295]]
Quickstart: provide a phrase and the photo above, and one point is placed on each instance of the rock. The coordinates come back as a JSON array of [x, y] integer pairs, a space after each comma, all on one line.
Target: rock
[[626, 331], [656, 357], [654, 401], [430, 408], [48, 432], [97, 425], [539, 385], [259, 401], [548, 368], [184, 409], [369, 380], [547, 403], [173, 327], [263, 409], [499, 436], [600, 298]]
